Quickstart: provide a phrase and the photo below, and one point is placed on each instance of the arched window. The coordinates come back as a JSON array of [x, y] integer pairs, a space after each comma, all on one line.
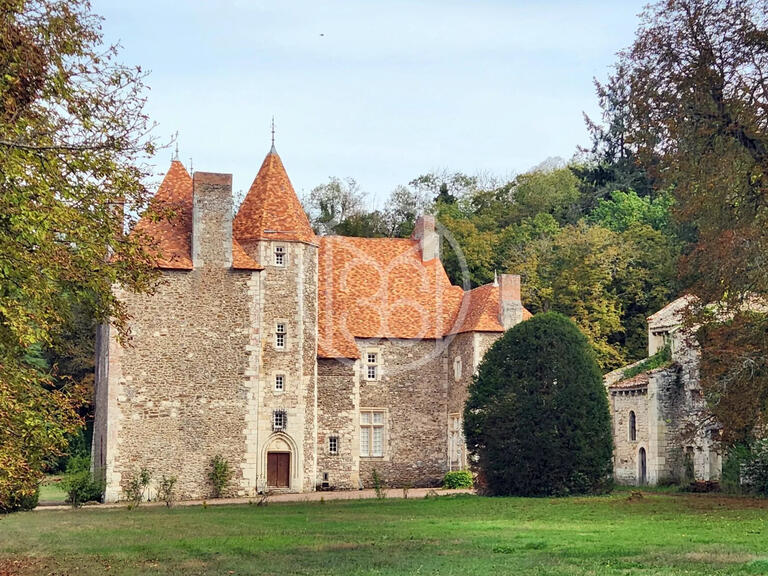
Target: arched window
[[632, 427]]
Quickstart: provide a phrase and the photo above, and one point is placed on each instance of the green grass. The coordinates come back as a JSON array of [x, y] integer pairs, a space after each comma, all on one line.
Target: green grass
[[51, 490], [669, 534]]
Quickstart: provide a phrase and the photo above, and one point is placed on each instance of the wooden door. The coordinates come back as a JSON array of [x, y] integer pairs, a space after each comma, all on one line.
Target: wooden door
[[278, 469]]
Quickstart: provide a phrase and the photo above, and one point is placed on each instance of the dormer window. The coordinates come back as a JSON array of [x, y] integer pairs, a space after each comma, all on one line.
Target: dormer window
[[279, 420], [280, 336], [279, 255], [372, 366]]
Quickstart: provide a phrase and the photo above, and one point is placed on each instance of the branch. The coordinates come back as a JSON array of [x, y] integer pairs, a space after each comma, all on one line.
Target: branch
[[61, 147]]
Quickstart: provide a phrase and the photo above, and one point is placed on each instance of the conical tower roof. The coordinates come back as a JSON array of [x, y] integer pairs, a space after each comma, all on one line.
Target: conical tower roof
[[271, 210], [173, 236]]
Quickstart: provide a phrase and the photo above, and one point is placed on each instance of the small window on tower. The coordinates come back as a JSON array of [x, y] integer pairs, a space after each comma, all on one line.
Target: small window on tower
[[279, 255], [279, 420], [279, 382], [280, 336], [333, 444]]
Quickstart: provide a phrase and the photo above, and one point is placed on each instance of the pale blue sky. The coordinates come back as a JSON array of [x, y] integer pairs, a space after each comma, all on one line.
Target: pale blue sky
[[378, 91]]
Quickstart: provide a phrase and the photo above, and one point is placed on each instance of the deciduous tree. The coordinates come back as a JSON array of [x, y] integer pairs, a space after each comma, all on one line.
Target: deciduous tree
[[73, 137]]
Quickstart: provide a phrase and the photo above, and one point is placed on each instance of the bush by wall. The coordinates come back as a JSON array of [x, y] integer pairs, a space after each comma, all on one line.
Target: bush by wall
[[458, 479]]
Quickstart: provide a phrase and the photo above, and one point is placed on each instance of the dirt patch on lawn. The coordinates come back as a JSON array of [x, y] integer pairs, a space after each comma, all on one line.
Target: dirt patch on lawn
[[716, 501]]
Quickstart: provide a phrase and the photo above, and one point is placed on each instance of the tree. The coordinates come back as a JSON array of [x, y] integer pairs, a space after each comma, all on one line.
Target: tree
[[403, 207], [73, 137], [329, 205], [697, 116], [536, 420]]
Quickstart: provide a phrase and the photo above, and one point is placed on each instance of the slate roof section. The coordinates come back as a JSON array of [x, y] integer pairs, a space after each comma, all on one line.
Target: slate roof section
[[172, 235], [271, 210]]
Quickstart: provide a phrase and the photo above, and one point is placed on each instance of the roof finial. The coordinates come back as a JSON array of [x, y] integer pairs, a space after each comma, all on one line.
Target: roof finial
[[495, 279], [273, 151], [176, 154]]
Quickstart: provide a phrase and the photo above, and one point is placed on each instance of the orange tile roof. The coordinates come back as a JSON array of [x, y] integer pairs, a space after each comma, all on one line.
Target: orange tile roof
[[638, 381], [172, 236], [381, 288], [271, 210], [241, 260], [480, 311]]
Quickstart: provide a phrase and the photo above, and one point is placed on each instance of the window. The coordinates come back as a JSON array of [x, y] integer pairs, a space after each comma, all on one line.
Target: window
[[632, 427], [333, 444], [280, 336], [457, 368], [279, 255], [279, 382], [372, 433], [455, 440], [372, 366], [279, 420]]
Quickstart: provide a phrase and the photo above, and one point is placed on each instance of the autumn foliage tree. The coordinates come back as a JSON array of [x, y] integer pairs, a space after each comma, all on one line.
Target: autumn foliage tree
[[696, 117], [73, 136]]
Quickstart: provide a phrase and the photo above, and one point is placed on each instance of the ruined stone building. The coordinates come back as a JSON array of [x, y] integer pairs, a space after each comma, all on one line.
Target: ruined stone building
[[661, 429], [304, 361]]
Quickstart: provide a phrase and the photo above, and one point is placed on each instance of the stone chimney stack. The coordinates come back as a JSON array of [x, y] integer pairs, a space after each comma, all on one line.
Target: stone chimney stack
[[510, 304], [429, 241], [212, 220]]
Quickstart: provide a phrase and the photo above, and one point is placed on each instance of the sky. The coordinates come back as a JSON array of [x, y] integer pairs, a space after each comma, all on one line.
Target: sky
[[378, 91]]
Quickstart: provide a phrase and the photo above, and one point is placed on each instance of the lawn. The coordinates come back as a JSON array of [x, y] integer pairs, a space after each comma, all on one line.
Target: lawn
[[464, 535]]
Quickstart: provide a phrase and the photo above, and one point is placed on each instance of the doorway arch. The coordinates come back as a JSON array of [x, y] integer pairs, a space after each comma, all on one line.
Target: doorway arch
[[642, 470]]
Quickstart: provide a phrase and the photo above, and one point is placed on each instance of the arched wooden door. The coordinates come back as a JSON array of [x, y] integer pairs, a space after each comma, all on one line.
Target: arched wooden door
[[278, 469], [641, 465]]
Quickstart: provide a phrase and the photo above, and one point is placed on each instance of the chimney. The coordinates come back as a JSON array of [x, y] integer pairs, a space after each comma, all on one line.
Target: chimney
[[212, 220], [510, 304], [429, 241]]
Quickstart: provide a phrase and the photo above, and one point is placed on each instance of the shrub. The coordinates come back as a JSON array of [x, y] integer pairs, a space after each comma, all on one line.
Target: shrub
[[662, 358], [733, 466], [219, 475], [754, 468], [537, 421], [80, 484], [458, 479], [165, 490], [378, 485], [136, 487]]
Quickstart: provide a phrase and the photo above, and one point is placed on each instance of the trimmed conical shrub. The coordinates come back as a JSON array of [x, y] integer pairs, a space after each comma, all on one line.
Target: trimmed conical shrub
[[537, 421]]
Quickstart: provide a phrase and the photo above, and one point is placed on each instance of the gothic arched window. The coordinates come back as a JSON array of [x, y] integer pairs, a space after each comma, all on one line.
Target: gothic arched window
[[632, 427]]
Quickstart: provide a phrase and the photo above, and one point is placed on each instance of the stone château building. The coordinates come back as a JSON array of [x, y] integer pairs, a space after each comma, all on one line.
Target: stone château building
[[661, 427], [304, 361]]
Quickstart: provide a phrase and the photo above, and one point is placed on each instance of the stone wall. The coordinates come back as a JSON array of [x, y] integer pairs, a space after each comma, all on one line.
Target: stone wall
[[179, 392], [625, 450], [338, 394], [412, 390]]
